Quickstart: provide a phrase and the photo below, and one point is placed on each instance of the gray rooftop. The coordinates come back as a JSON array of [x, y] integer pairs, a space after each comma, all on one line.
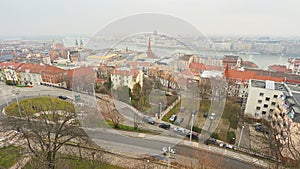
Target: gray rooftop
[[268, 85], [296, 97]]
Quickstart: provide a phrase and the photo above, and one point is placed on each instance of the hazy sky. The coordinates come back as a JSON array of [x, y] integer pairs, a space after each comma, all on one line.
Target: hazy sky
[[58, 17]]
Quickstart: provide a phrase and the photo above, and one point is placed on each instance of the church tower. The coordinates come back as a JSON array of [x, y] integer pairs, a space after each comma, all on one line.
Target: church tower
[[149, 52]]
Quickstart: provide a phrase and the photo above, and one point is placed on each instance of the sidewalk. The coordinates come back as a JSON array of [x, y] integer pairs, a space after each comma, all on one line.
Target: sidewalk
[[180, 141]]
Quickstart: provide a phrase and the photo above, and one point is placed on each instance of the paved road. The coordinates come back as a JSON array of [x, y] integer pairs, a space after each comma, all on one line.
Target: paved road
[[121, 142], [146, 146]]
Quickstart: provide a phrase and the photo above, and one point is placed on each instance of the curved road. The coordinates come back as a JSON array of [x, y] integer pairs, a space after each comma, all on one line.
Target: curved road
[[128, 144]]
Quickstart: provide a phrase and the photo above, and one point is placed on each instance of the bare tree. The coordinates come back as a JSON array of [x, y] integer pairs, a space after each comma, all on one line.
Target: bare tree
[[46, 128], [112, 114], [136, 120]]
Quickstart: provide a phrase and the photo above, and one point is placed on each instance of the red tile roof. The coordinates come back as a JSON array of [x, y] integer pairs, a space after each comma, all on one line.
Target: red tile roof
[[280, 68], [100, 81], [131, 72], [249, 64], [33, 68], [197, 66], [248, 74], [52, 70], [211, 67], [14, 65], [143, 64]]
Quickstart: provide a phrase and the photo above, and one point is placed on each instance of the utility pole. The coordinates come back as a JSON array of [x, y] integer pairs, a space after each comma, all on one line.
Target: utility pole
[[192, 127], [241, 136], [168, 151]]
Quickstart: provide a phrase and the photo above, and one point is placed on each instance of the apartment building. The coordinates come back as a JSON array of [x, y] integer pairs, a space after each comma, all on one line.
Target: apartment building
[[30, 74], [294, 65], [262, 98], [126, 77]]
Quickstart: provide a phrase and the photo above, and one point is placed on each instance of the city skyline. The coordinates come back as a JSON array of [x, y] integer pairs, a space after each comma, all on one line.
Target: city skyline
[[34, 18]]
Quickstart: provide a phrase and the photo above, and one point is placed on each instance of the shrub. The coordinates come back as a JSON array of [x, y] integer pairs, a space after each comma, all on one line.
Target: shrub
[[231, 137], [214, 135]]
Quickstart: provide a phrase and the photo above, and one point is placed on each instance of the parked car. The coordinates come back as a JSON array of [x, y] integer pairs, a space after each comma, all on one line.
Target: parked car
[[205, 114], [149, 120], [211, 117], [210, 141], [164, 126], [257, 124], [180, 131], [179, 120], [261, 129], [229, 146], [62, 97], [195, 135], [173, 118], [225, 145]]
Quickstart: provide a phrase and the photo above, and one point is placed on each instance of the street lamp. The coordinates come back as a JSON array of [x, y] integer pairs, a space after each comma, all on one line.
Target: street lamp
[[241, 136], [193, 116], [18, 104], [17, 99], [6, 99], [160, 108], [168, 150]]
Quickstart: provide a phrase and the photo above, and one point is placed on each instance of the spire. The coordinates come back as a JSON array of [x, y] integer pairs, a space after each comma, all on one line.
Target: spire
[[81, 43], [226, 71], [149, 44], [149, 52], [76, 43]]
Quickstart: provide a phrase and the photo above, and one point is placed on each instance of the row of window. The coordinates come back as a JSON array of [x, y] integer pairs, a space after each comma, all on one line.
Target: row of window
[[258, 108], [274, 96], [273, 103], [119, 79]]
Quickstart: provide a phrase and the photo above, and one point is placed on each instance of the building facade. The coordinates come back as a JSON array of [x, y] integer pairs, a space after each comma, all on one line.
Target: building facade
[[30, 74], [262, 98], [126, 77], [294, 65]]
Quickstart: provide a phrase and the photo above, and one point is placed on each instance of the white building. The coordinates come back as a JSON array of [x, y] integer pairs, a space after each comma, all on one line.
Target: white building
[[30, 74], [294, 65], [126, 77], [10, 76], [263, 97]]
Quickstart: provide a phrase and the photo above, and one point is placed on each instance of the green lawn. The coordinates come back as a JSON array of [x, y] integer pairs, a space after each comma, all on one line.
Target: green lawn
[[72, 162], [129, 128], [34, 105], [9, 156], [174, 110]]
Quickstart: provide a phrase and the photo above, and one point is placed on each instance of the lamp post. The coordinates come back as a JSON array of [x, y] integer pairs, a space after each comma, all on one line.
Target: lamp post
[[168, 151], [6, 99], [159, 113], [241, 136], [18, 104], [193, 115]]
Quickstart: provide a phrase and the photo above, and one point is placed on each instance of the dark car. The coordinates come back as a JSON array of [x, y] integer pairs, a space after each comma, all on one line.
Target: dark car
[[261, 129], [63, 97], [205, 114], [148, 120], [165, 126], [195, 136], [210, 141], [179, 121]]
